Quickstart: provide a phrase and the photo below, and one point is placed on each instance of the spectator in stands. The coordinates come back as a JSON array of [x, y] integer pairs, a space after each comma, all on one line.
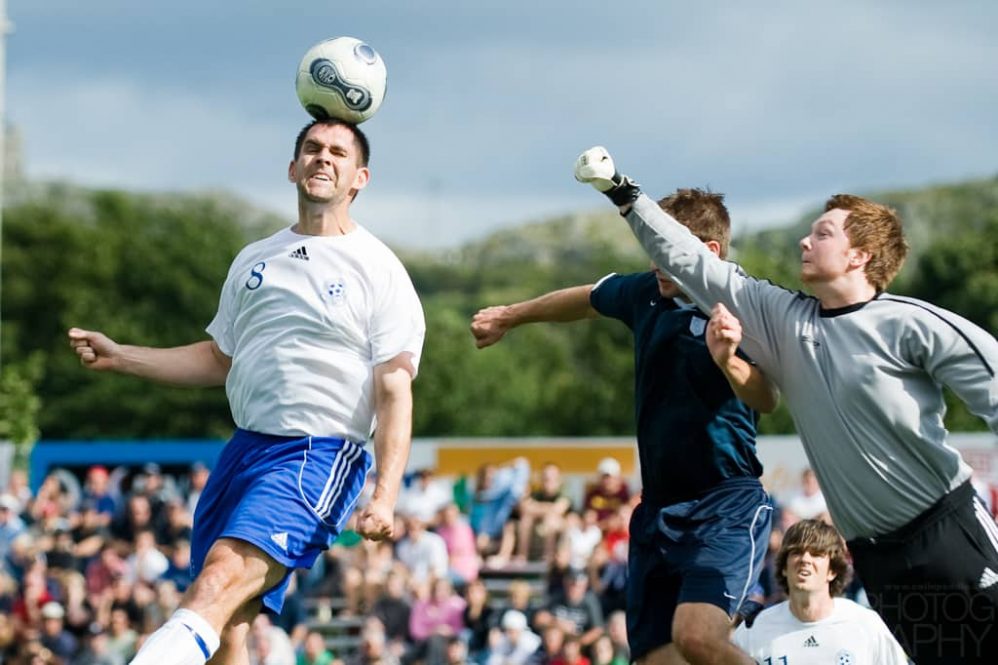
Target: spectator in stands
[[293, 618], [520, 596], [809, 502], [179, 570], [95, 650], [616, 630], [268, 644], [457, 652], [315, 651], [460, 541], [479, 617], [153, 484], [79, 612], [608, 492], [122, 639], [498, 490], [197, 478], [605, 654], [423, 552], [435, 619], [582, 535], [97, 490], [89, 532], [138, 516], [571, 652], [102, 571], [543, 514], [393, 608], [373, 646], [576, 610], [18, 487], [146, 563], [516, 643], [54, 635], [175, 523], [11, 524], [552, 641], [425, 496]]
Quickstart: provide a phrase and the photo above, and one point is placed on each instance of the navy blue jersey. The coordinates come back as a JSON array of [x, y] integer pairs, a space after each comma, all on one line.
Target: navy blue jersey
[[692, 431]]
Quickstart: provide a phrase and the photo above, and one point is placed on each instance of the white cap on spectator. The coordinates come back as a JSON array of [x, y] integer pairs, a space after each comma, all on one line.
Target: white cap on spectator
[[9, 502], [608, 466], [53, 610], [514, 620]]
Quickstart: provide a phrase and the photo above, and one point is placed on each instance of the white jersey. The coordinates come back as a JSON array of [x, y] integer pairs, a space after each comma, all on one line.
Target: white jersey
[[305, 320], [851, 635]]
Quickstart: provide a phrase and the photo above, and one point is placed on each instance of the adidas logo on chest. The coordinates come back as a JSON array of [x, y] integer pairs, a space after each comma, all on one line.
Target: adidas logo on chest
[[301, 253]]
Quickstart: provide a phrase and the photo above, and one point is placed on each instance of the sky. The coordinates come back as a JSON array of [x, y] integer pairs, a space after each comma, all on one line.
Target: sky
[[777, 104]]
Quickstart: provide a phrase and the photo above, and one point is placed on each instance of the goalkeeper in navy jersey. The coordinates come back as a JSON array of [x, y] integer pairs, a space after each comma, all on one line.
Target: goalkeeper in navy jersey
[[698, 537], [862, 371]]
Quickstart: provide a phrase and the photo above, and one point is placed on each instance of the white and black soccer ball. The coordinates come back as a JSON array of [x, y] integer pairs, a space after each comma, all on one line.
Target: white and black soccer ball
[[341, 78]]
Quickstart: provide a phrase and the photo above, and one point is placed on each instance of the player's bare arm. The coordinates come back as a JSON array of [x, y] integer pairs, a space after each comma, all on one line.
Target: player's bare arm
[[724, 334], [489, 325], [393, 407], [197, 364]]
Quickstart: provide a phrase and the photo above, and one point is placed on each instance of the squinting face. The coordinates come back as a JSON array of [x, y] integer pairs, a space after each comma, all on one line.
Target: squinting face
[[826, 251], [808, 572], [328, 167]]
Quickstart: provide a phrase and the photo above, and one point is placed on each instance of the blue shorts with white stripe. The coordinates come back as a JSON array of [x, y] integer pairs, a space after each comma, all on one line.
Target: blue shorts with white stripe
[[289, 496]]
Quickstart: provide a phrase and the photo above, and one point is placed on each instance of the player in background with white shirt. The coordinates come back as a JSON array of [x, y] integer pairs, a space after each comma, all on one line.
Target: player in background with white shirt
[[317, 338], [813, 626]]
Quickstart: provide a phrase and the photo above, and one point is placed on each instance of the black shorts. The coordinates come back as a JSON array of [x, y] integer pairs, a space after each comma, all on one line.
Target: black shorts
[[708, 550], [935, 581]]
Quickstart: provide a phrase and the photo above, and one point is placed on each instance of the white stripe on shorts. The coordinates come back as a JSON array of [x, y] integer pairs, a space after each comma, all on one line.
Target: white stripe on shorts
[[351, 456], [987, 523], [751, 566]]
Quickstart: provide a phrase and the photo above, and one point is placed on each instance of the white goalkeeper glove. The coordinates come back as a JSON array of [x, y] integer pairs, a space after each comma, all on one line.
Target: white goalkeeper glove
[[595, 166]]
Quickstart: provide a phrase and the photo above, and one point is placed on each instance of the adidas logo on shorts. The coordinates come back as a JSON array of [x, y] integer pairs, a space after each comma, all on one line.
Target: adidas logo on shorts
[[989, 578], [811, 642], [281, 539], [300, 253]]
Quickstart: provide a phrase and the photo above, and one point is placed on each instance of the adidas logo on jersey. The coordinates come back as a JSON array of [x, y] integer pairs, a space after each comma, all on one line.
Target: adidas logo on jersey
[[811, 642], [989, 578], [300, 253]]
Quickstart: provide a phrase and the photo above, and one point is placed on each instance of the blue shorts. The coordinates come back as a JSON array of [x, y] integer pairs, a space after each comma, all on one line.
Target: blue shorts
[[708, 550], [288, 496]]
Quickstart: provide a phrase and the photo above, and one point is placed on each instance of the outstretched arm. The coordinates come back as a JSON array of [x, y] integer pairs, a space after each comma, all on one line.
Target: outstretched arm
[[724, 333], [198, 364], [392, 438], [571, 304]]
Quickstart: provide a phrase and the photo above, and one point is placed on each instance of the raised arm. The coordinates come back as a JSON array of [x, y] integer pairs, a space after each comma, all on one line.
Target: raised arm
[[392, 438], [724, 333], [571, 304], [198, 364]]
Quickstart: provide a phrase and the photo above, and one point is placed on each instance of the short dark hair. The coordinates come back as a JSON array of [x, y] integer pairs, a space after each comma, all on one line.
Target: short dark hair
[[360, 139], [703, 212], [819, 539]]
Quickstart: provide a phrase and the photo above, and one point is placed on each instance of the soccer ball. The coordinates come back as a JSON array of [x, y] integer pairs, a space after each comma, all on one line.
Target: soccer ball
[[341, 78]]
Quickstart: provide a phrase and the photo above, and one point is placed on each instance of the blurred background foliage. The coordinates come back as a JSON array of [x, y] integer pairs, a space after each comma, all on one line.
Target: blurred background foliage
[[147, 269]]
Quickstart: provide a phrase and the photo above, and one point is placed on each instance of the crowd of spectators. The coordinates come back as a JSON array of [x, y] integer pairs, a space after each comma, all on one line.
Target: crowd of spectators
[[506, 572]]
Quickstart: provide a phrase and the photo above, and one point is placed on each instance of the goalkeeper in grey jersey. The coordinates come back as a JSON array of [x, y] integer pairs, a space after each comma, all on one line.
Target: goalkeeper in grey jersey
[[862, 373]]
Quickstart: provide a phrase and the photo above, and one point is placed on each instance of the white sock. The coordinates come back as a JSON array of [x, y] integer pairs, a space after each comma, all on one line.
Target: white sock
[[186, 639]]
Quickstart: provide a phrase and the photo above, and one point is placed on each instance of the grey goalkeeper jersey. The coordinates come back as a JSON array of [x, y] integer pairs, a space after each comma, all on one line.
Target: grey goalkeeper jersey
[[862, 382]]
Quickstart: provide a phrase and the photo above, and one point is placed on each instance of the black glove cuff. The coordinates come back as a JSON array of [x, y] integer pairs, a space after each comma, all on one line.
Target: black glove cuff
[[624, 193]]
